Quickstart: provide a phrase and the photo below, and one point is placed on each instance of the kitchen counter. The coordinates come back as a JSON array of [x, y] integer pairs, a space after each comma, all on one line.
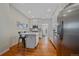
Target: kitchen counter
[[32, 39]]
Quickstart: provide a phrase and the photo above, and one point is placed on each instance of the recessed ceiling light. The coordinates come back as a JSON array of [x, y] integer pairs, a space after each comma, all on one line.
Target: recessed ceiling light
[[64, 15], [69, 10], [29, 11], [48, 10], [32, 16]]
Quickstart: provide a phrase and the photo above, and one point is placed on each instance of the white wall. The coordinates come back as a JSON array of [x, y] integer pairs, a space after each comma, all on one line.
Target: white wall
[[8, 26], [4, 27], [15, 17]]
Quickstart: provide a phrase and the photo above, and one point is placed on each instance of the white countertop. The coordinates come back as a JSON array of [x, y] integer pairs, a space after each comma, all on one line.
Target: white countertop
[[30, 33], [32, 38]]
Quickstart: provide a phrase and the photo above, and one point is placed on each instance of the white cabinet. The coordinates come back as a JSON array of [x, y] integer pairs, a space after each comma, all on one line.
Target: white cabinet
[[32, 40]]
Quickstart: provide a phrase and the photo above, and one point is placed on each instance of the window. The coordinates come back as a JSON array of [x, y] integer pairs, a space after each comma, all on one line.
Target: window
[[22, 25]]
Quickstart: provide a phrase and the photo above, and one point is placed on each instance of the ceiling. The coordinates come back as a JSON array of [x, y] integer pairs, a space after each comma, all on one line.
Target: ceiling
[[38, 10]]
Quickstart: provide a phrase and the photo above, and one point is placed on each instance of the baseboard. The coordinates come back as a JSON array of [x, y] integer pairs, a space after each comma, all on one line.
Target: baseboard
[[53, 43], [14, 44], [4, 51], [9, 48]]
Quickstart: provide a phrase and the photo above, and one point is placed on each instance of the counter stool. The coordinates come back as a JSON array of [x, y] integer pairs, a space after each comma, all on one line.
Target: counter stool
[[21, 38]]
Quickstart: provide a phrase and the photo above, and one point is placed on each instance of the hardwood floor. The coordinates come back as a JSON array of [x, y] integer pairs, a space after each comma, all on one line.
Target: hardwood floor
[[44, 48]]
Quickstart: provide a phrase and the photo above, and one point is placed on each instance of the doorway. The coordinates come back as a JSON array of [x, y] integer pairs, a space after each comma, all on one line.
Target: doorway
[[45, 32]]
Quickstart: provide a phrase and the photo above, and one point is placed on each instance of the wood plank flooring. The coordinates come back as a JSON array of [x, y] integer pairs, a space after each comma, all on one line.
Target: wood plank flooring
[[43, 49]]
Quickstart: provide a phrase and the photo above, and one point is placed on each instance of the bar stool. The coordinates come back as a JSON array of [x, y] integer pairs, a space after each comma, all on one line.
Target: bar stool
[[21, 37]]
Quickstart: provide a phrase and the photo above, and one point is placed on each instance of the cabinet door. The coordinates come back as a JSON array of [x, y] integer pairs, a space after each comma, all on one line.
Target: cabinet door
[[30, 41]]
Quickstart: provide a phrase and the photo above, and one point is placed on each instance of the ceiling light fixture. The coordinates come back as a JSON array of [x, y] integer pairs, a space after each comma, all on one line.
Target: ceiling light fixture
[[29, 12], [49, 10], [32, 16], [69, 10], [64, 15]]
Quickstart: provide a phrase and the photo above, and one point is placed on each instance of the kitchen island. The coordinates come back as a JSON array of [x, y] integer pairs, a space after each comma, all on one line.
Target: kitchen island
[[32, 39]]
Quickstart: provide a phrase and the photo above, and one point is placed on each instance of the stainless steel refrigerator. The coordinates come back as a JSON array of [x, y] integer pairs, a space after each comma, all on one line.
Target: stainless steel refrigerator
[[68, 26]]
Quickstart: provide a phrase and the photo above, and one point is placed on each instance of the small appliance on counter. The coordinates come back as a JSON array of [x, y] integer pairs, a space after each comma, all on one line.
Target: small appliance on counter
[[34, 28]]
